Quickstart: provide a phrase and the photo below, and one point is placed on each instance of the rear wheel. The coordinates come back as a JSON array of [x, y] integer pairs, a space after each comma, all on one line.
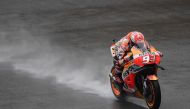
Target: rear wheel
[[117, 90], [153, 94]]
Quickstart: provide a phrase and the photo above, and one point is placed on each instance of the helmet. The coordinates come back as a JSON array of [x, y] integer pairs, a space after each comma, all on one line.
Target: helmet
[[136, 37]]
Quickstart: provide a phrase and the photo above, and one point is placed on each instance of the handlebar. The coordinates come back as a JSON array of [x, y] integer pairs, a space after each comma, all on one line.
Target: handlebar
[[162, 68]]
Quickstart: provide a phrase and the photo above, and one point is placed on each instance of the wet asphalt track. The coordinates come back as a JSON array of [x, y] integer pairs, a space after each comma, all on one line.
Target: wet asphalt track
[[70, 23]]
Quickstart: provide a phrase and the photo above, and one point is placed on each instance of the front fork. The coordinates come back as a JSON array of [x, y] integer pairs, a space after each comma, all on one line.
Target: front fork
[[146, 90]]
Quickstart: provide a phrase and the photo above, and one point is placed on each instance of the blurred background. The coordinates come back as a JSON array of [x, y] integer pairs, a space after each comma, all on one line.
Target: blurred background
[[55, 53]]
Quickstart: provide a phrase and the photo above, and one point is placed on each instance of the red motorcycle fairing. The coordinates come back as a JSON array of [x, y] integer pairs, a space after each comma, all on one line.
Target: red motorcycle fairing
[[141, 59], [129, 81], [148, 58]]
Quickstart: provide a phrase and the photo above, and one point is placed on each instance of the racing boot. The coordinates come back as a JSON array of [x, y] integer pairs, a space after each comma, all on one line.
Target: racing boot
[[117, 73]]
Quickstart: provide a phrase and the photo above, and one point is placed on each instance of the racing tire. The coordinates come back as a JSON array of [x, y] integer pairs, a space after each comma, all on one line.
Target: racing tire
[[117, 90], [154, 99]]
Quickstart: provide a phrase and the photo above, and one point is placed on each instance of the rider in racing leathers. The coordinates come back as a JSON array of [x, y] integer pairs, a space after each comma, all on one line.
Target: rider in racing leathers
[[121, 51]]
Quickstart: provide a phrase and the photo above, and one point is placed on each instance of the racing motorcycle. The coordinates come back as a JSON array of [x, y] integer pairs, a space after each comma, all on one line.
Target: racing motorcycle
[[140, 77]]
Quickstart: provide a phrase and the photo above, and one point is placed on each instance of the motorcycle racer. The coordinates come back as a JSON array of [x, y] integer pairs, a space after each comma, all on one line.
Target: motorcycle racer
[[121, 51]]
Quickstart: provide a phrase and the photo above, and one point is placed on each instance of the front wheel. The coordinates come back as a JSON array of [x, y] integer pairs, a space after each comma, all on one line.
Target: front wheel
[[153, 94]]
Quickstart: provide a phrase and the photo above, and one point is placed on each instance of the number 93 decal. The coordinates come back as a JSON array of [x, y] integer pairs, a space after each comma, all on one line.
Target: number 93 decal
[[148, 58]]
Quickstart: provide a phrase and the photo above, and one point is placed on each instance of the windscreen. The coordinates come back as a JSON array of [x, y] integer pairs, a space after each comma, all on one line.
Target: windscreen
[[141, 45]]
